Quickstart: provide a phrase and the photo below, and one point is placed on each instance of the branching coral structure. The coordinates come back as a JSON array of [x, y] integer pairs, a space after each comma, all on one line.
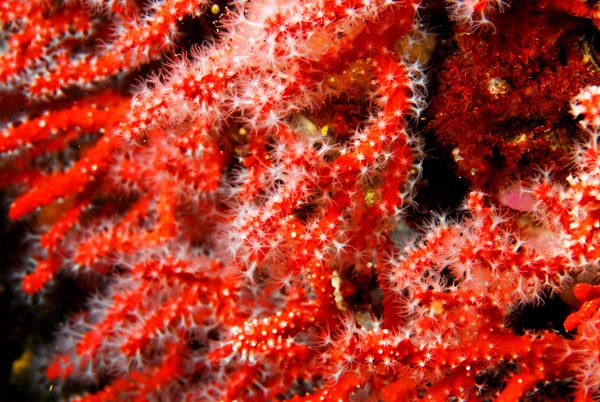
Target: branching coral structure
[[245, 209]]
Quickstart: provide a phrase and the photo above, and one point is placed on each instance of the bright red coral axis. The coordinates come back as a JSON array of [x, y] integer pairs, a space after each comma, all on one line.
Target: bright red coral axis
[[244, 211]]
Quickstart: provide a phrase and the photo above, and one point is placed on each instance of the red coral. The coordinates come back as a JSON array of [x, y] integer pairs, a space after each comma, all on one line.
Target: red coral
[[244, 214]]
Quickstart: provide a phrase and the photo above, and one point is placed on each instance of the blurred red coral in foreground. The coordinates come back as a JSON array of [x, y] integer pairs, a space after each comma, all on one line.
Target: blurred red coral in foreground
[[245, 211]]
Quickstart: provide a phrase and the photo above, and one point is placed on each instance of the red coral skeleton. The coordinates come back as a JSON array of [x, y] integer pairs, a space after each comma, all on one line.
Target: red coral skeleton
[[242, 212]]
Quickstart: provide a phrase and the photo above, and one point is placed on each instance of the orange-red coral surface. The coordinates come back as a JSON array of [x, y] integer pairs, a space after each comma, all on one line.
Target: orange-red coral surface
[[258, 204]]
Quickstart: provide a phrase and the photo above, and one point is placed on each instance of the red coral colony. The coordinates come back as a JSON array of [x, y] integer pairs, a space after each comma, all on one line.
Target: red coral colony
[[326, 200]]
